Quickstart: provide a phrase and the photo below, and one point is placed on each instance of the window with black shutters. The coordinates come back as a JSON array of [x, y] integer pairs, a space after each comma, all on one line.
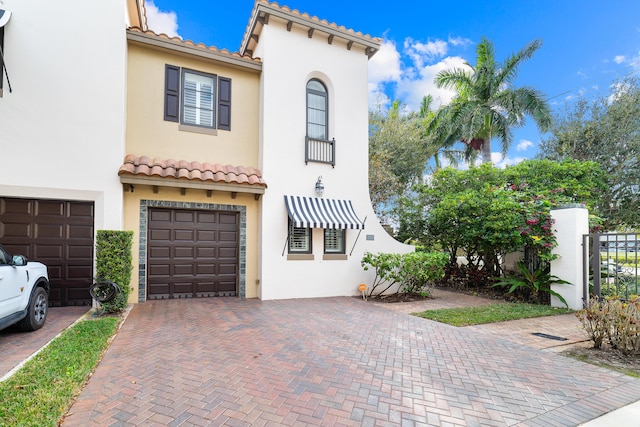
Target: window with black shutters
[[194, 98]]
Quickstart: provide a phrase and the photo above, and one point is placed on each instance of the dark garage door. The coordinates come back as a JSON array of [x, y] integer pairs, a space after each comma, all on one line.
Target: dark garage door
[[58, 233], [192, 253]]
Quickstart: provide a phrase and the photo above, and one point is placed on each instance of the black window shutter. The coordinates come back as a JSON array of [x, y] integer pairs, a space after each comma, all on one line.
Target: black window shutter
[[224, 103], [171, 93]]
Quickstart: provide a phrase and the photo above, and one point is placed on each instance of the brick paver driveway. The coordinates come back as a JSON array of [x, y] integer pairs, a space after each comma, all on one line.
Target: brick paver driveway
[[331, 361]]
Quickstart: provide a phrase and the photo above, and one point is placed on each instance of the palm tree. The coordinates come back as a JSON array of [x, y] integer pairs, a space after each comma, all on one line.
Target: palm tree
[[486, 106], [437, 140]]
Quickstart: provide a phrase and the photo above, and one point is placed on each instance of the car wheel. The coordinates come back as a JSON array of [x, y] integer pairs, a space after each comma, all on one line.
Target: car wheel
[[37, 311]]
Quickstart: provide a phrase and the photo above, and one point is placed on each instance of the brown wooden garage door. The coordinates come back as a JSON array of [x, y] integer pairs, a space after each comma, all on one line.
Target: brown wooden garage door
[[192, 253], [58, 233]]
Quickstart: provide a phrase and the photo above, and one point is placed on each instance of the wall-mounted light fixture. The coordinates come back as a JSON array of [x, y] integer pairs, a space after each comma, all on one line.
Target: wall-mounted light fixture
[[319, 187]]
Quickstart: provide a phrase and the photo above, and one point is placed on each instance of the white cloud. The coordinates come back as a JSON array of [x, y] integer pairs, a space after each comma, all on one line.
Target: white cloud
[[581, 74], [523, 145], [385, 64], [619, 59], [160, 21], [503, 162], [460, 41], [412, 88], [420, 52]]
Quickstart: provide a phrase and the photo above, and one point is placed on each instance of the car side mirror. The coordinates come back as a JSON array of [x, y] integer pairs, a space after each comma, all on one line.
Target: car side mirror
[[19, 260]]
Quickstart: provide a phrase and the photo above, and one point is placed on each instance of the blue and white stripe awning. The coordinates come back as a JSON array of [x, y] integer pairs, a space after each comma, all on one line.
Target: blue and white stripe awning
[[313, 212]]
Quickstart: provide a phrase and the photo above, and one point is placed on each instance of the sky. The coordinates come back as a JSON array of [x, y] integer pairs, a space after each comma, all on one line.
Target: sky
[[587, 44]]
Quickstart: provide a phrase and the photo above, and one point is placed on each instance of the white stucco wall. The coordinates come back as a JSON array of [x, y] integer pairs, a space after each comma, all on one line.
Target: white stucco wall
[[290, 59], [570, 225], [63, 125]]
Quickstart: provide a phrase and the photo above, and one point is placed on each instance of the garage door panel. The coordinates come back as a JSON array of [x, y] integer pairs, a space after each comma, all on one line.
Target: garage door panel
[[206, 235], [228, 218], [78, 272], [184, 252], [194, 254], [159, 252], [20, 249], [79, 231], [84, 210], [159, 289], [227, 253], [207, 217], [16, 207], [205, 253], [226, 269], [184, 216], [160, 215], [158, 269], [228, 236], [58, 233], [184, 235], [160, 235], [14, 229], [49, 231], [205, 269], [78, 251], [49, 251], [50, 208], [183, 270]]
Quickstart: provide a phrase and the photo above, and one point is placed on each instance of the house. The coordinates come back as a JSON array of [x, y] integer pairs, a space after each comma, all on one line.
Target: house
[[213, 158], [62, 103]]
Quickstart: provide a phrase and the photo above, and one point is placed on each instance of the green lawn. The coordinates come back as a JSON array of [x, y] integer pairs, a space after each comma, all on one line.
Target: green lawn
[[40, 393], [490, 313]]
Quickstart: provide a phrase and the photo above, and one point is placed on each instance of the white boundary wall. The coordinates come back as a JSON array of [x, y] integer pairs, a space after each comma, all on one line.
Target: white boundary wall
[[570, 225]]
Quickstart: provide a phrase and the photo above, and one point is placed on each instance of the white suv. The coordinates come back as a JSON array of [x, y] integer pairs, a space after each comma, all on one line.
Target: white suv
[[24, 292]]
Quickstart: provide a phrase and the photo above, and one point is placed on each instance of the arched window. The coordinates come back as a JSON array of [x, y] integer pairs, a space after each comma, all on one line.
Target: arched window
[[317, 110]]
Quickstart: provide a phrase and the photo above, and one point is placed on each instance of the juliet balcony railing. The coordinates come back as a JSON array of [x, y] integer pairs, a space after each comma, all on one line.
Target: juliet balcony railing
[[320, 151]]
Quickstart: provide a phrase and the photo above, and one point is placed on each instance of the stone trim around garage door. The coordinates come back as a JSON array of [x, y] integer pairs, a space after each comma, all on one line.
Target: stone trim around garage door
[[144, 218]]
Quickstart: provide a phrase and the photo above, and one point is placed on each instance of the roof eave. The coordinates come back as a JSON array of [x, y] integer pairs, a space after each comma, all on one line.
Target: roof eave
[[193, 184], [263, 11], [185, 48]]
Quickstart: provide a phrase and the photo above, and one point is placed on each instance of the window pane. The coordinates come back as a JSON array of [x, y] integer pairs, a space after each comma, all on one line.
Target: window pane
[[316, 85], [334, 241], [316, 110], [299, 239], [198, 99]]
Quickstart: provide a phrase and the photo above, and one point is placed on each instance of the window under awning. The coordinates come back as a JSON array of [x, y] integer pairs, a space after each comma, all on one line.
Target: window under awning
[[313, 212]]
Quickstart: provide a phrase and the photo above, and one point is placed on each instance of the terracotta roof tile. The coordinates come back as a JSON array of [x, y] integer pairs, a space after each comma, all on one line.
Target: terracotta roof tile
[[191, 43], [195, 171], [304, 15]]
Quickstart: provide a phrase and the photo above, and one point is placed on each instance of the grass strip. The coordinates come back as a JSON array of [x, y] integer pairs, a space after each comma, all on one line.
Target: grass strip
[[40, 393], [490, 313]]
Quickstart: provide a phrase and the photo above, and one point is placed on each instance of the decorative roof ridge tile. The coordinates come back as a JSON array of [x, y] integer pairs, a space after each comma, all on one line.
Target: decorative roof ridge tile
[[189, 42], [190, 170]]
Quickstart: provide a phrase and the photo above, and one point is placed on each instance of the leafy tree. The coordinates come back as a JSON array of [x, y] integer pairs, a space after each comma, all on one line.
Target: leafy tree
[[486, 105], [486, 212], [398, 154], [607, 131]]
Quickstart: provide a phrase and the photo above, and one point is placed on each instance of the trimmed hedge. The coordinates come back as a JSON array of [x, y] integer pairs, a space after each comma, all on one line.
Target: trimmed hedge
[[114, 263]]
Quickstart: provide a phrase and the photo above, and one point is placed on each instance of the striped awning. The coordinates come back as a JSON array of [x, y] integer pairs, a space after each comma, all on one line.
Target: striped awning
[[314, 212]]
